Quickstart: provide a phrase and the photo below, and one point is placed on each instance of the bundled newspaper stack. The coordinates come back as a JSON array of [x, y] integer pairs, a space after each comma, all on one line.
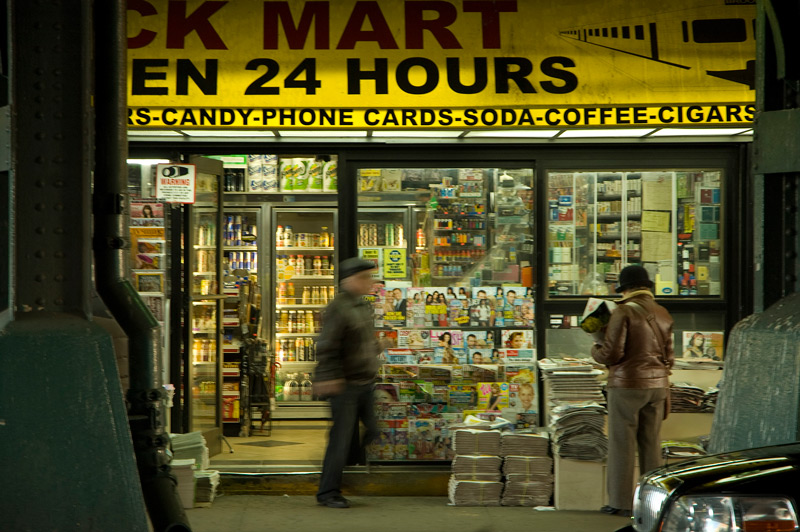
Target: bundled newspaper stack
[[710, 400], [528, 470], [183, 469], [476, 479], [476, 467], [524, 444], [477, 442], [206, 482], [578, 431], [191, 445], [686, 397]]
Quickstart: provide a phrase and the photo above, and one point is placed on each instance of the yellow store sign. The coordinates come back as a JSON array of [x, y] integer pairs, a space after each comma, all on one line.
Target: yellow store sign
[[387, 64]]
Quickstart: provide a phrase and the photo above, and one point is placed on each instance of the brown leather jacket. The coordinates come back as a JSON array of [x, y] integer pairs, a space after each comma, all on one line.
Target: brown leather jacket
[[632, 349]]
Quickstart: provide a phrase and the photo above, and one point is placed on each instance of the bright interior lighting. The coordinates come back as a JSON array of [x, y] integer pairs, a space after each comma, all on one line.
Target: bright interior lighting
[[697, 132], [227, 133], [153, 133], [319, 133], [425, 134], [515, 133], [148, 161], [604, 133]]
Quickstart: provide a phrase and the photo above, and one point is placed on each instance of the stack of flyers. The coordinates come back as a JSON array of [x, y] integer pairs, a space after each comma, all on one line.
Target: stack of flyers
[[462, 397], [395, 305], [449, 355], [514, 356], [401, 356], [446, 338], [413, 339], [386, 392], [479, 339], [493, 395], [482, 356], [519, 373], [517, 339]]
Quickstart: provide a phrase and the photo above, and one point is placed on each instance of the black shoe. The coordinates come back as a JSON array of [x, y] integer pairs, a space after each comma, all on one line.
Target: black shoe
[[610, 510], [337, 501]]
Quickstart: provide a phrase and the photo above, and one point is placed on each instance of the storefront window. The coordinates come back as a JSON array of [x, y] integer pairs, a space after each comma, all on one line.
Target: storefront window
[[454, 251], [668, 221]]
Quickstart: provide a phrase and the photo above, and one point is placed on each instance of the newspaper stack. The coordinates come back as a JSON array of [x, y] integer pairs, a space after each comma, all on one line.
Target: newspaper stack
[[474, 492], [480, 442], [686, 397], [183, 469], [710, 400], [697, 363], [682, 449], [529, 481], [206, 483], [468, 467], [191, 445], [578, 431], [523, 444], [571, 380]]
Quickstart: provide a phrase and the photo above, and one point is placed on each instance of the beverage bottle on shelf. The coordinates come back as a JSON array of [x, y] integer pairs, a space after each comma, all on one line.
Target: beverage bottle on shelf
[[290, 294], [315, 300], [300, 349], [282, 293], [305, 388], [292, 322], [317, 265], [301, 322], [331, 292], [308, 265], [317, 322], [283, 323], [306, 296], [310, 323], [281, 354], [197, 350], [288, 237], [400, 235], [324, 240], [291, 355], [323, 296], [205, 355], [299, 265], [325, 266], [420, 237], [291, 388]]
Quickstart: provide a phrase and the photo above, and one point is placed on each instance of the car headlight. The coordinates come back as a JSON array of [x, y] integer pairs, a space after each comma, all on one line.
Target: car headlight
[[730, 514]]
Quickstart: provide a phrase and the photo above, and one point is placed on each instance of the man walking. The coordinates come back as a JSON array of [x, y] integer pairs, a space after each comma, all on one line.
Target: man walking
[[638, 351], [347, 365]]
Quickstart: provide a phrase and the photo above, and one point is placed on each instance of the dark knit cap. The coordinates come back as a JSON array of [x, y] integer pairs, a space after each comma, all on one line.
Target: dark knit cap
[[352, 266], [633, 277]]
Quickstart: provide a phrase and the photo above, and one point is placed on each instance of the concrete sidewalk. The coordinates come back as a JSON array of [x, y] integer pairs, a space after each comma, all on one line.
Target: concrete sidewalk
[[261, 513]]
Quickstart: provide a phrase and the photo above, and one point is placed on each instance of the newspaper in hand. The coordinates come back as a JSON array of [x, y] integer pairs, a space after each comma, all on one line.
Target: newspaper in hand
[[596, 314]]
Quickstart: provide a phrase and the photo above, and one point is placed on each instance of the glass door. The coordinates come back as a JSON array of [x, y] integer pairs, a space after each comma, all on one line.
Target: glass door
[[304, 281], [202, 244], [383, 238]]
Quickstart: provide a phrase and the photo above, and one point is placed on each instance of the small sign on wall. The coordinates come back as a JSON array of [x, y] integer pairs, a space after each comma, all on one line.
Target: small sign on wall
[[175, 183]]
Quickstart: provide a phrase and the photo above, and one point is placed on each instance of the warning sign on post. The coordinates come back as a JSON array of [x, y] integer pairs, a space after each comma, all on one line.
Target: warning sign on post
[[394, 263], [175, 183]]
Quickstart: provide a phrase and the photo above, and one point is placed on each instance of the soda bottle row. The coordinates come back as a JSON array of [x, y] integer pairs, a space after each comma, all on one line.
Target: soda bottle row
[[449, 270], [297, 387], [204, 351], [299, 321], [206, 234], [289, 266], [311, 295], [285, 237], [392, 235], [458, 255], [296, 350], [236, 227]]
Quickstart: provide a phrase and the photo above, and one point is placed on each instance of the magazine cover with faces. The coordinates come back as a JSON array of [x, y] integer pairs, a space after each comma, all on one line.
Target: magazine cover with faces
[[481, 356], [394, 305], [517, 339]]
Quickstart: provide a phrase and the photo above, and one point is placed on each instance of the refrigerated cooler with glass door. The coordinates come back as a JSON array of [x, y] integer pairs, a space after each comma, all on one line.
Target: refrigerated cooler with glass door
[[202, 341], [303, 282]]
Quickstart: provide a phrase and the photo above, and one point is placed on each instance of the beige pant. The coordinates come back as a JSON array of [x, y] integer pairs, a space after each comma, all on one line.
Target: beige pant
[[634, 420]]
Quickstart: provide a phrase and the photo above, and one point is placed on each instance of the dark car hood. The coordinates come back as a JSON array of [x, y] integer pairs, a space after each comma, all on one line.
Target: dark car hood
[[764, 469]]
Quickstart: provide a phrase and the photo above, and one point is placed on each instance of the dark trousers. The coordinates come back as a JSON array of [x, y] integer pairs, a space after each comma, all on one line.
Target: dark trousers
[[634, 423], [355, 403]]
